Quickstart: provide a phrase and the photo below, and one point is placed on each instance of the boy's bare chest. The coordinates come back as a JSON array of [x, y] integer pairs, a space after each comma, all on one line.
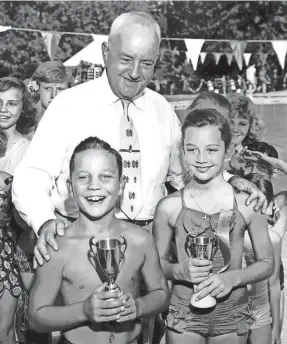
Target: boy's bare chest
[[83, 273]]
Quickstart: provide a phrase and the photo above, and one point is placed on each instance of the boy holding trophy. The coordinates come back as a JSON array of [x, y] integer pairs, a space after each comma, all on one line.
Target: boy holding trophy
[[98, 248]]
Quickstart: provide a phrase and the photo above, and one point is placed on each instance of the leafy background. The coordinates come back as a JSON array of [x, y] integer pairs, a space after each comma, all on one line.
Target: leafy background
[[178, 19]]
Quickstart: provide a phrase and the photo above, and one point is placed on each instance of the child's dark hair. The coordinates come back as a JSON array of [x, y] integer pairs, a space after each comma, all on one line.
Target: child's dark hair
[[96, 143], [203, 117], [265, 186], [212, 100], [29, 110], [263, 147]]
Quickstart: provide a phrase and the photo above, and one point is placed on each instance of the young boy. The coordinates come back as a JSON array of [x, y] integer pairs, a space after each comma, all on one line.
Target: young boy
[[88, 316]]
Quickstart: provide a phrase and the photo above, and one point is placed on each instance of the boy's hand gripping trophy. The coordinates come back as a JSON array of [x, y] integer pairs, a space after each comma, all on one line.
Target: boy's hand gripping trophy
[[201, 248], [109, 253]]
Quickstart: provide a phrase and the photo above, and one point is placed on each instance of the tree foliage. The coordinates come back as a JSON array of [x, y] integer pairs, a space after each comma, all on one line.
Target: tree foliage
[[178, 19]]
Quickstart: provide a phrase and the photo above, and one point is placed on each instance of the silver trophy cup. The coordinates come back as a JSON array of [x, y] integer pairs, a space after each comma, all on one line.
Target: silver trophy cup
[[109, 254], [201, 248]]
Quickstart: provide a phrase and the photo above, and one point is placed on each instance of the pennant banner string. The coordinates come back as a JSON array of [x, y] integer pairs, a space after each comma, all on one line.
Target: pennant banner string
[[163, 38]]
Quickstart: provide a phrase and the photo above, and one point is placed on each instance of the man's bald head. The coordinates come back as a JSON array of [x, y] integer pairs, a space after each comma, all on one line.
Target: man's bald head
[[131, 53], [125, 21]]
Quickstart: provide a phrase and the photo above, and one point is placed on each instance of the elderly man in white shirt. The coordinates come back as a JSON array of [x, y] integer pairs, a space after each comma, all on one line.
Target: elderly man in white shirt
[[102, 107], [96, 108]]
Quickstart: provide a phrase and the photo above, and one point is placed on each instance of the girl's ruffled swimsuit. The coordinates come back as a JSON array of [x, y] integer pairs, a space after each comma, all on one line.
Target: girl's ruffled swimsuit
[[231, 313]]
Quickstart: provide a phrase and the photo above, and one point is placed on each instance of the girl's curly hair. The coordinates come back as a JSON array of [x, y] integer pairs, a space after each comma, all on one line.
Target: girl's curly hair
[[243, 107], [29, 111]]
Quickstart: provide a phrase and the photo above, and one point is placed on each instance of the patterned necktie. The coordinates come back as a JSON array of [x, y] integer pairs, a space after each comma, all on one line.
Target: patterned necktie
[[131, 200]]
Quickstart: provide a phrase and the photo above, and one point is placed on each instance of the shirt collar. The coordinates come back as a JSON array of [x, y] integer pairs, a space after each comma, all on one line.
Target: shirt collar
[[112, 98]]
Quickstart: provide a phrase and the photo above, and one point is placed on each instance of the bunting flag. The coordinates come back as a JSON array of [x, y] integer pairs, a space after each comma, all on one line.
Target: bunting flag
[[202, 57], [238, 48], [92, 53], [193, 47], [280, 48], [217, 57], [52, 41], [229, 58], [247, 58]]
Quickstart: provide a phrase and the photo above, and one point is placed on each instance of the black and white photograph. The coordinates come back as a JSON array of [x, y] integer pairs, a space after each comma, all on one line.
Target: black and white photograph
[[143, 172]]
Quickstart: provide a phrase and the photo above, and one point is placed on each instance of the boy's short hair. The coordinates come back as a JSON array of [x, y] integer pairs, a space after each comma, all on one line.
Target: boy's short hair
[[263, 184], [96, 143], [263, 147]]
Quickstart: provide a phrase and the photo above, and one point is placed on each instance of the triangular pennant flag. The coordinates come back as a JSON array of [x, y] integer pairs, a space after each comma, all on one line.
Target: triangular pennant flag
[[4, 28], [202, 57], [247, 58], [229, 58], [217, 57], [238, 48], [92, 53], [280, 48], [193, 47], [52, 41]]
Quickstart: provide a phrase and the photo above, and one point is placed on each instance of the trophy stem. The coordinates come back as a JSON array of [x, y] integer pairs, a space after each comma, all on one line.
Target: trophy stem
[[112, 286]]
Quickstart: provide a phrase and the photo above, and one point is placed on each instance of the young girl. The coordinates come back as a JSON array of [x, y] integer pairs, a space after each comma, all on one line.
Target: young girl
[[15, 103], [208, 206], [265, 295], [246, 126], [10, 287], [48, 80]]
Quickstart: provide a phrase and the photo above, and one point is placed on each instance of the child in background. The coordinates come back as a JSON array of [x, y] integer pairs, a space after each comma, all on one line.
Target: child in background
[[246, 126], [96, 183], [48, 80], [265, 295], [262, 158], [15, 104]]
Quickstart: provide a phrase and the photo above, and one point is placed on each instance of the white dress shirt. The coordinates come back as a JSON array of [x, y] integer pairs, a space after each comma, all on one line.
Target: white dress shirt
[[92, 109]]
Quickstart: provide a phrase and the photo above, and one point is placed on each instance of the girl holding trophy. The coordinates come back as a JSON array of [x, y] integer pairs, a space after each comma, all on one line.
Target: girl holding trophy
[[207, 220]]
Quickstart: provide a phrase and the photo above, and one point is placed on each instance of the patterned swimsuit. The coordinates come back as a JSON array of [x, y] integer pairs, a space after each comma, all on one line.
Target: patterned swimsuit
[[9, 276], [231, 313]]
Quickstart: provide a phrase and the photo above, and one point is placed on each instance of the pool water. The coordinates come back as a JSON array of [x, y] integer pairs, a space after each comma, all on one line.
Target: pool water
[[275, 117]]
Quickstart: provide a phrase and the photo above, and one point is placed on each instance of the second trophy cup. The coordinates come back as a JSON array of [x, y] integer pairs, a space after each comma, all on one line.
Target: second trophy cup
[[201, 248]]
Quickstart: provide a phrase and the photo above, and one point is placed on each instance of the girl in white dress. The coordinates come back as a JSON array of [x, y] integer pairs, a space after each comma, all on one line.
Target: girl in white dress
[[14, 103]]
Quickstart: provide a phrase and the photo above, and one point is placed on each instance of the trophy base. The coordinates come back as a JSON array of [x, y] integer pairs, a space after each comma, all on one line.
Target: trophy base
[[207, 302]]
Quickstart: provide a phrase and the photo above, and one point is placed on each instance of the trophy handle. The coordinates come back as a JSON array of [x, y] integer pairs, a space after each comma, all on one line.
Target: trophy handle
[[186, 246], [92, 245], [214, 246], [123, 247]]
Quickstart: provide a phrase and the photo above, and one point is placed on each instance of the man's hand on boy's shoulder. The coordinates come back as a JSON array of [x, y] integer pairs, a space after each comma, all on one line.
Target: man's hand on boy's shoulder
[[255, 194], [47, 234], [99, 307]]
